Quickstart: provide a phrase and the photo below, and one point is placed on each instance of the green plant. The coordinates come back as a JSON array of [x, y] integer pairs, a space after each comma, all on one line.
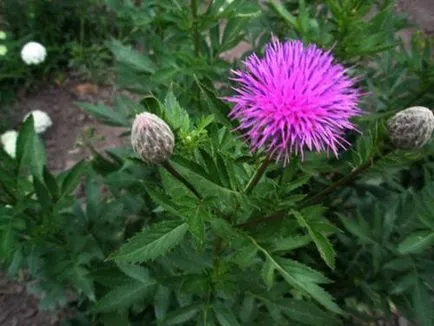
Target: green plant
[[219, 235]]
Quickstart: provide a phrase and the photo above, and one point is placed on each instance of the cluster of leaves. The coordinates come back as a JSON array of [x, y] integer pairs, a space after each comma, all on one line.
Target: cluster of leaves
[[319, 242]]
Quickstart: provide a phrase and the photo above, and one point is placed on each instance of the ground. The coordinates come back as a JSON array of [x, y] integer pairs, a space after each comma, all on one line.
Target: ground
[[16, 306]]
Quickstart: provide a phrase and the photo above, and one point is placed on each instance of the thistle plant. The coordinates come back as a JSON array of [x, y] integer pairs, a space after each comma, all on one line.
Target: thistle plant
[[278, 193]]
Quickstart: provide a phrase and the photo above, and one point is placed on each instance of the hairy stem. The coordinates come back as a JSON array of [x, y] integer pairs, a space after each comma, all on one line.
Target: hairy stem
[[257, 176], [169, 168], [195, 25]]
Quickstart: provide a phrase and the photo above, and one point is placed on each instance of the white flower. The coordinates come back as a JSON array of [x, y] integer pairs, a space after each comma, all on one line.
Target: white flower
[[2, 35], [41, 120], [3, 50], [33, 53], [9, 142]]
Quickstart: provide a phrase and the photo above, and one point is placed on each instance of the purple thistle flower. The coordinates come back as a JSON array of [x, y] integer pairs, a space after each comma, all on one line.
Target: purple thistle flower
[[294, 98]]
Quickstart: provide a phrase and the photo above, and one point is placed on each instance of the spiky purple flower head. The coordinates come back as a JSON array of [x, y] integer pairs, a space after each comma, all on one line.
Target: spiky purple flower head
[[294, 98]]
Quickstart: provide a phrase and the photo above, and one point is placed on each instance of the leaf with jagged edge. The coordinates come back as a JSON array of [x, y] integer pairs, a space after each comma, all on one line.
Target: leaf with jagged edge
[[152, 242], [297, 278], [124, 296]]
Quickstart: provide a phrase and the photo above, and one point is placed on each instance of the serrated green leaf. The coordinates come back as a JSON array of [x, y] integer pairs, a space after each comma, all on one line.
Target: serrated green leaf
[[224, 229], [104, 114], [216, 106], [247, 309], [422, 301], [297, 281], [299, 311], [182, 315], [118, 318], [124, 296], [404, 283], [42, 194], [175, 115], [323, 244], [138, 273], [164, 201], [289, 243], [416, 242], [161, 302], [51, 183], [126, 55], [196, 223], [357, 230], [152, 242], [224, 315], [72, 177], [126, 107]]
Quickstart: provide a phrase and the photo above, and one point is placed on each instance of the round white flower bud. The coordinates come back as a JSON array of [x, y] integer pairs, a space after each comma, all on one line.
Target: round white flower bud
[[411, 128], [9, 142], [152, 138], [33, 53], [41, 120]]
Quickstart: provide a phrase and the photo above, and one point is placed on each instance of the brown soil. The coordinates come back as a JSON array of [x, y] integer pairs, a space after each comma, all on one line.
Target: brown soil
[[16, 306], [69, 122]]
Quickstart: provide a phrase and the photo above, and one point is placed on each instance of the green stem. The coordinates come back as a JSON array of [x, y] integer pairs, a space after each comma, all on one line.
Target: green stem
[[169, 168], [195, 32], [342, 181], [314, 199], [257, 176]]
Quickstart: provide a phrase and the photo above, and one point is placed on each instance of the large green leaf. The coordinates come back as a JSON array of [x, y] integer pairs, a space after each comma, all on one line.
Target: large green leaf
[[152, 242], [124, 296], [71, 178], [416, 242], [422, 303], [176, 116], [182, 315], [224, 315], [161, 302], [323, 244], [299, 311], [126, 55], [30, 150], [297, 279], [105, 114]]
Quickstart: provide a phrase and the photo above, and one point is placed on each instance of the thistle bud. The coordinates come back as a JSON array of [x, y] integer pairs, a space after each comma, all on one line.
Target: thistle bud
[[411, 128], [152, 138]]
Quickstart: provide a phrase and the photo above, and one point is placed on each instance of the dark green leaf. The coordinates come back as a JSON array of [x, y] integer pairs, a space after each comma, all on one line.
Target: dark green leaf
[[72, 177], [124, 296], [161, 302], [105, 114], [126, 55], [224, 315], [182, 315], [416, 242], [30, 150], [323, 244], [152, 242]]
